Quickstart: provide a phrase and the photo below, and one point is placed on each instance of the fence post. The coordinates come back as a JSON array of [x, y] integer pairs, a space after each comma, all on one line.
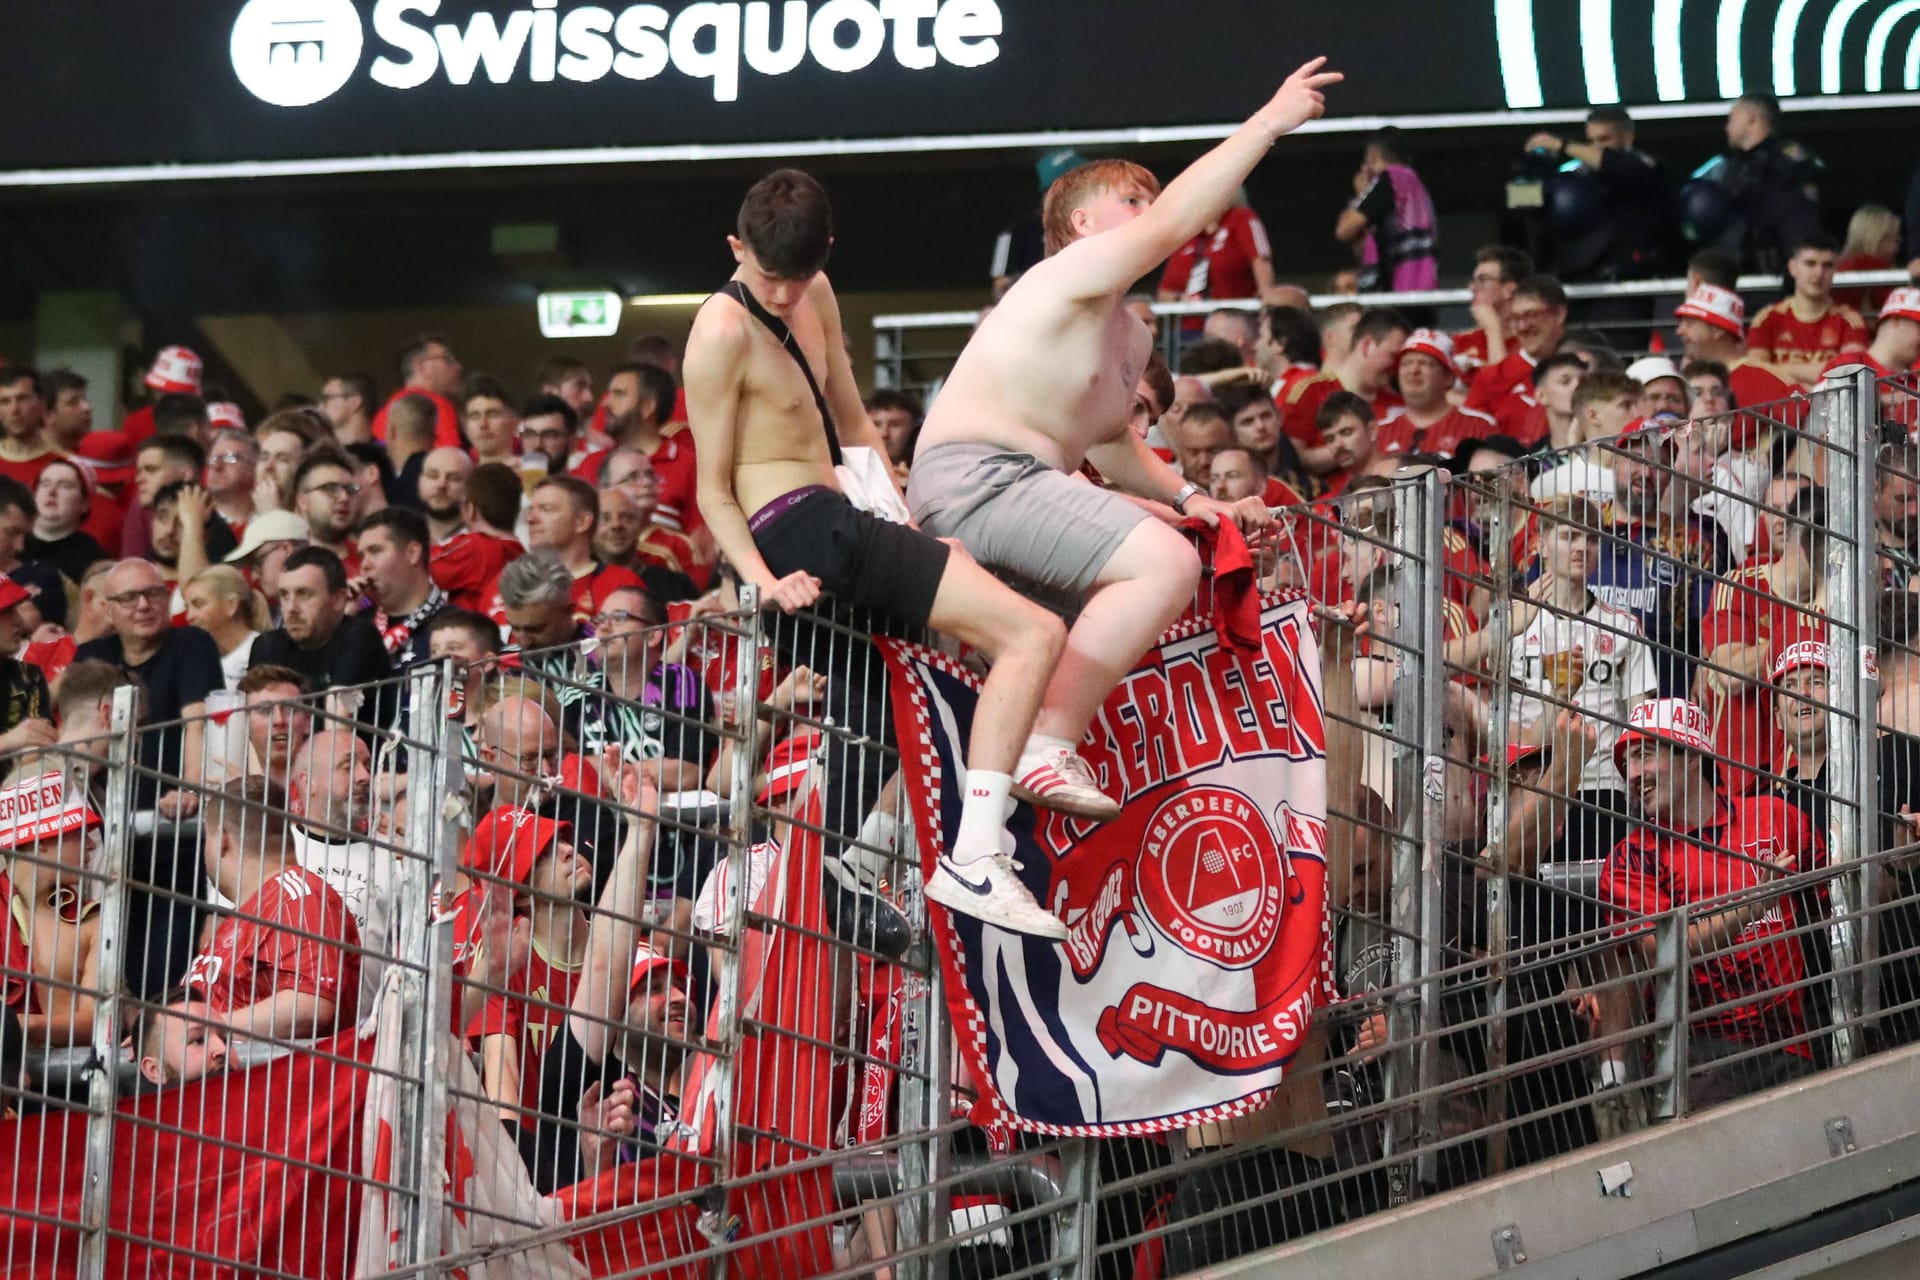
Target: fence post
[[1419, 706], [1845, 417], [96, 1193], [1670, 988], [1499, 807], [423, 955], [716, 1219]]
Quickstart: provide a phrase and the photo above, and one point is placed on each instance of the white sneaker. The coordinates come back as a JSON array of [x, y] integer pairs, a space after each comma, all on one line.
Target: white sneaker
[[1057, 779], [988, 890]]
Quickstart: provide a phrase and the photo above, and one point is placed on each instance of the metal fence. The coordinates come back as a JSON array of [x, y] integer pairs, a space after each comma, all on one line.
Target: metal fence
[[611, 959]]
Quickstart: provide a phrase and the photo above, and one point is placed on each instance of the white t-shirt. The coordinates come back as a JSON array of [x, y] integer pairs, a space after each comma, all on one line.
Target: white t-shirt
[[1618, 675], [234, 663], [366, 878]]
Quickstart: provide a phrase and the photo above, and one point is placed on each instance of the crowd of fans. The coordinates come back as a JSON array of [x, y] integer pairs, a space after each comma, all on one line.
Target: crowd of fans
[[1653, 530]]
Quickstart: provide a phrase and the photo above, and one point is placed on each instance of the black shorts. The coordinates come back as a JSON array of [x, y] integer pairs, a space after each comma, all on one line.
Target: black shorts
[[861, 560]]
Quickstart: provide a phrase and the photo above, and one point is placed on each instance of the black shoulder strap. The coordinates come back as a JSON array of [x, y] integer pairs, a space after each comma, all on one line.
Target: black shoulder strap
[[778, 328]]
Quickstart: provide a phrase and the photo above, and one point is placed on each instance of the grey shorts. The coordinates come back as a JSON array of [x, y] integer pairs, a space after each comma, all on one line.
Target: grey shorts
[[1017, 515]]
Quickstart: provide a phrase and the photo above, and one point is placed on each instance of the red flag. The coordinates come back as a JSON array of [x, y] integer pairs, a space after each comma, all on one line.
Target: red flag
[[783, 1085]]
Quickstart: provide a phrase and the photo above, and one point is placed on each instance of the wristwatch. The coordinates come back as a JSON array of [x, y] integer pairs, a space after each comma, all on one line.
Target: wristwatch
[[1187, 491]]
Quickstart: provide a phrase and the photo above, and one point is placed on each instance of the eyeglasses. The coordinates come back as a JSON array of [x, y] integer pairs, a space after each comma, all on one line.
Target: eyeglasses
[[334, 489], [229, 459], [147, 595], [615, 618], [550, 433]]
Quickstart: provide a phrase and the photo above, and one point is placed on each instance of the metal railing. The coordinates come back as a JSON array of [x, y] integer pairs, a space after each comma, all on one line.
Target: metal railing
[[629, 1002], [913, 351]]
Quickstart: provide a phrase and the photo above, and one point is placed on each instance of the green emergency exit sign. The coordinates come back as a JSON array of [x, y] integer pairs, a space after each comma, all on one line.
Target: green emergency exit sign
[[579, 315]]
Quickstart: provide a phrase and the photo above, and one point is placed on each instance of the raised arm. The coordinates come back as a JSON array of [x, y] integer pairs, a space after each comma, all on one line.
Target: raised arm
[[1108, 264], [614, 933]]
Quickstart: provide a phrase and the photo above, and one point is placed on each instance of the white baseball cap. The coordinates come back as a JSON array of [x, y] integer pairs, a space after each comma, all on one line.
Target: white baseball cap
[[1431, 342], [175, 370], [1721, 308], [1650, 369]]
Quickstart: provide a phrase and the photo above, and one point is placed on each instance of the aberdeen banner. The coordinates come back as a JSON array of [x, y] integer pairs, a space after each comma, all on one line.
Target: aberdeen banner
[[1198, 921]]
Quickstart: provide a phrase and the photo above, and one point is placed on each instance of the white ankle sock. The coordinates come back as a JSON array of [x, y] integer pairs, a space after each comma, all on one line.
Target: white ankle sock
[[1041, 742], [983, 816]]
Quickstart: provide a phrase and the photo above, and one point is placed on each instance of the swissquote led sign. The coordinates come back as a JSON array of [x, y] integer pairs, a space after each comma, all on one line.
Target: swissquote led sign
[[245, 87]]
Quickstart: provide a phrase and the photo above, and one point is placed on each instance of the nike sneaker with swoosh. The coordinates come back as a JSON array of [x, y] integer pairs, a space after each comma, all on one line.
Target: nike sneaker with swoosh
[[989, 890]]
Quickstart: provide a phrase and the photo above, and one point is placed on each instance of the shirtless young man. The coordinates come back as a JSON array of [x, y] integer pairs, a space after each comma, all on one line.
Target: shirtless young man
[[1045, 383], [768, 493]]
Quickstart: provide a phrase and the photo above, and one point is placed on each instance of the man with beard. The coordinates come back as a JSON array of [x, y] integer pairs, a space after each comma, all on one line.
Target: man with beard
[[323, 642], [469, 510], [323, 492], [331, 801], [1659, 566], [394, 575], [1694, 847], [639, 400], [1896, 513], [525, 763]]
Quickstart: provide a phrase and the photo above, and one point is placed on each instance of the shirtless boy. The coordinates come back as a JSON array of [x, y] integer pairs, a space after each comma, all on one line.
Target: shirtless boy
[[1045, 383], [768, 493]]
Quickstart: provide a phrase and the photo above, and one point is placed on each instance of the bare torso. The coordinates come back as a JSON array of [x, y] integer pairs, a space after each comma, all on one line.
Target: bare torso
[[780, 443], [1045, 374]]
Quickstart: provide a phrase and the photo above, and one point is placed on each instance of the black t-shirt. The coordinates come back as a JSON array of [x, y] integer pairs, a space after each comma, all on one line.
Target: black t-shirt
[[70, 555], [182, 673], [353, 655], [551, 1148], [23, 694]]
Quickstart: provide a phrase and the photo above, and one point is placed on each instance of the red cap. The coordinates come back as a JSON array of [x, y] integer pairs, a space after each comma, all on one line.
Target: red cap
[[111, 454], [509, 841], [1655, 431], [646, 960], [12, 593], [175, 370], [1431, 342], [787, 765], [1721, 308], [1674, 720]]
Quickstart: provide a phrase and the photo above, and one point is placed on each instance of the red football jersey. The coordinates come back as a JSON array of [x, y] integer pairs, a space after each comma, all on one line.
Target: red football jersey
[[1494, 384], [1899, 401], [28, 472], [529, 1014], [1304, 401], [1777, 334], [467, 566], [1219, 264], [266, 948], [105, 516], [446, 419], [714, 654], [1745, 611], [1470, 351], [1654, 870], [669, 550], [1398, 434]]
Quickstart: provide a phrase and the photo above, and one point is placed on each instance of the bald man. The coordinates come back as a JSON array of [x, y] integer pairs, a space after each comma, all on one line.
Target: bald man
[[442, 489], [521, 754], [331, 800]]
